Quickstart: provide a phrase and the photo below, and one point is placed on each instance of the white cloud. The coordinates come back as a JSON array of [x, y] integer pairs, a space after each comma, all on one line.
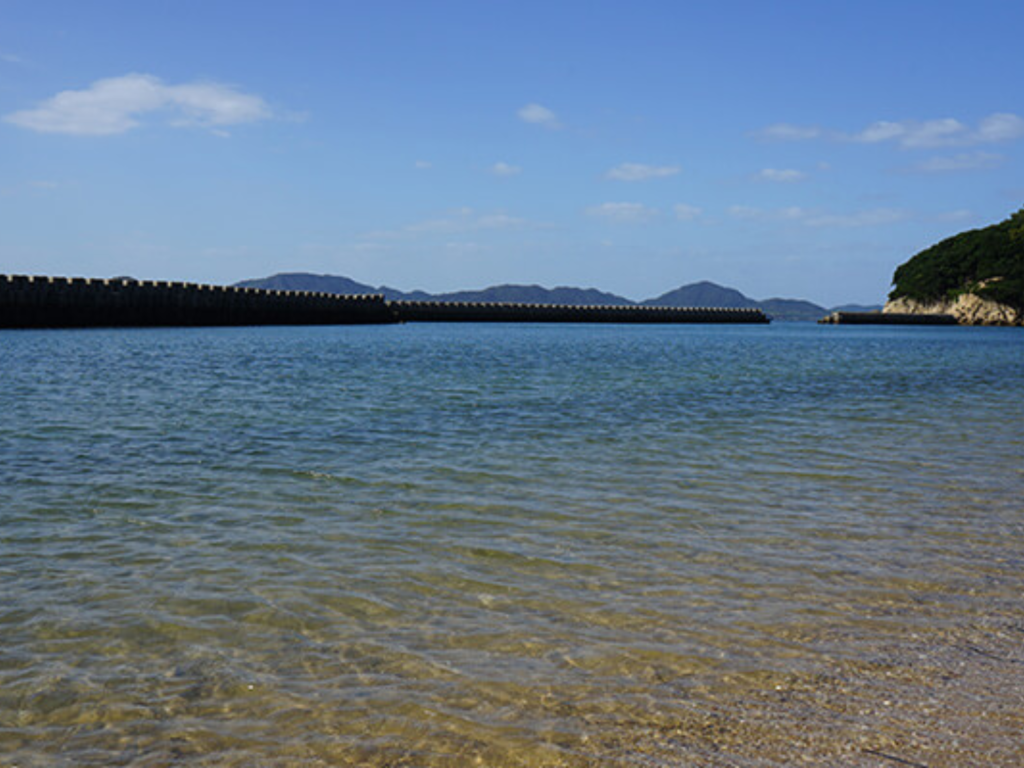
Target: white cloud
[[879, 131], [686, 212], [641, 172], [458, 221], [464, 248], [1001, 126], [114, 105], [538, 115], [784, 175], [423, 165], [746, 212], [969, 161], [750, 213], [870, 218], [960, 214], [789, 132], [622, 212], [912, 134], [935, 133], [504, 169], [11, 58], [212, 104], [497, 221]]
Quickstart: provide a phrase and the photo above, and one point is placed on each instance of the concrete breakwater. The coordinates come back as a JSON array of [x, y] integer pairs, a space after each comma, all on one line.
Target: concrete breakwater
[[75, 302], [497, 312], [886, 318]]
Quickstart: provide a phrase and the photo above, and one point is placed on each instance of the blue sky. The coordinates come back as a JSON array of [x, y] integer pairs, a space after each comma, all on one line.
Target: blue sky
[[796, 149]]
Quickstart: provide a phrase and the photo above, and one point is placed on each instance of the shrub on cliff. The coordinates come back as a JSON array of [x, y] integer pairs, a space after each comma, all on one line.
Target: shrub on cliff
[[988, 262]]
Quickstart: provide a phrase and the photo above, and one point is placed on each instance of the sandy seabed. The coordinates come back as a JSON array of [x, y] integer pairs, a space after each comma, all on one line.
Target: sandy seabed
[[946, 700]]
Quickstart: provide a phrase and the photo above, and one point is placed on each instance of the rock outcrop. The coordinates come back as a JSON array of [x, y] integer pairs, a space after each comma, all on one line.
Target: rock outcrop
[[967, 308]]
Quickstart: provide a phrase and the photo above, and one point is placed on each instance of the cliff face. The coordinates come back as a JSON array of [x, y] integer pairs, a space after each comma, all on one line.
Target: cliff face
[[967, 308]]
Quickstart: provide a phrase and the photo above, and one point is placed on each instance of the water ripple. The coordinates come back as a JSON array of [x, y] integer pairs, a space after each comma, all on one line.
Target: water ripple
[[514, 545]]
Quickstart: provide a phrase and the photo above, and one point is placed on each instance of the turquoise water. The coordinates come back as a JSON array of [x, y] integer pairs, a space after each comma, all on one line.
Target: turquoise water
[[509, 544]]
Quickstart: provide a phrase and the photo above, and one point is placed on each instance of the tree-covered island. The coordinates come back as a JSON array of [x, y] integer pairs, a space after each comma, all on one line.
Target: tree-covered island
[[976, 275]]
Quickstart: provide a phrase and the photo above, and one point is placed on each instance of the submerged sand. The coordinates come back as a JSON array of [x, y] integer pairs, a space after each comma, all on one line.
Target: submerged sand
[[942, 699]]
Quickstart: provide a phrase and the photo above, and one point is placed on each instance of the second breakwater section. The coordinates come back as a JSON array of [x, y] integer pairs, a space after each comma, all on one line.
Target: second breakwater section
[[28, 301]]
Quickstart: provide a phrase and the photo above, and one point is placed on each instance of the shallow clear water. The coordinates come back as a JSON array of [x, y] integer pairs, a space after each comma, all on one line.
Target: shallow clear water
[[516, 544]]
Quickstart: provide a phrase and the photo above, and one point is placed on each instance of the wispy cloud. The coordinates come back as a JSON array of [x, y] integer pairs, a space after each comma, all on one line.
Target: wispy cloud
[[423, 165], [818, 219], [686, 212], [504, 169], [539, 115], [115, 105], [623, 212], [456, 248], [788, 132], [1002, 126], [458, 221], [465, 221], [910, 134], [751, 213], [871, 218], [497, 221], [959, 215], [968, 161], [783, 175], [641, 172], [11, 58]]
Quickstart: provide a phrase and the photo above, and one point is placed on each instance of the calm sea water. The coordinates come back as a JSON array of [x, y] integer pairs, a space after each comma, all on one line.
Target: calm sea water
[[508, 544]]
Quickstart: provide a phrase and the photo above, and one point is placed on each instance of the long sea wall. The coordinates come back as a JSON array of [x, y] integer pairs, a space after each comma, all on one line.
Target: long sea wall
[[76, 302], [501, 312], [886, 318]]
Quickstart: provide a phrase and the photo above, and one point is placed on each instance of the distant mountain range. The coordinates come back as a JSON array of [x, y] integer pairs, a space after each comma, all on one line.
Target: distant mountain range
[[524, 294], [702, 294]]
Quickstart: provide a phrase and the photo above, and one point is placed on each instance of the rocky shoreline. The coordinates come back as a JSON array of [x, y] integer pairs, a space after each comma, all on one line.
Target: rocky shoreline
[[967, 308]]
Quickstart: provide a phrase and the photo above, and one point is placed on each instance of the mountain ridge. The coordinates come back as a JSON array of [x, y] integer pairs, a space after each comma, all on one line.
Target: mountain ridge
[[700, 294]]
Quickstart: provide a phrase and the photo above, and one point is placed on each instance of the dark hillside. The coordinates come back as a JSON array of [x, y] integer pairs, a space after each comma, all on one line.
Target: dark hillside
[[792, 310], [988, 262], [535, 294], [703, 294], [304, 281]]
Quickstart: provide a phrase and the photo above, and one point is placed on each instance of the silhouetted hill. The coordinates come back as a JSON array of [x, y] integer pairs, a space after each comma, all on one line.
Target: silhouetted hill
[[708, 294], [304, 281], [523, 294], [535, 294], [702, 294], [792, 309]]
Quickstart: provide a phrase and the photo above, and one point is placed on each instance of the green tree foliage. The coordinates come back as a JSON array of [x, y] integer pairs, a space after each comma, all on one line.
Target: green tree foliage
[[1017, 226], [993, 255]]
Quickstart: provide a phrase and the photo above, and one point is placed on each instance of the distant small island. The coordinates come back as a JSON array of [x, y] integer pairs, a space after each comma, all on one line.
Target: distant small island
[[701, 294], [977, 276]]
